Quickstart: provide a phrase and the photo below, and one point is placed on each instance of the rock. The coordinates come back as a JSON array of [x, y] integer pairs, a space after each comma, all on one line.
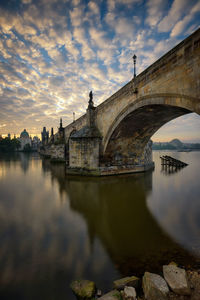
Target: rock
[[129, 293], [99, 293], [113, 295], [83, 288], [176, 279], [126, 281], [173, 264], [154, 287]]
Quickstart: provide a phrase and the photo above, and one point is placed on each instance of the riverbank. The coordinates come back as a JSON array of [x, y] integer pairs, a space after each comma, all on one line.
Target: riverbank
[[174, 283]]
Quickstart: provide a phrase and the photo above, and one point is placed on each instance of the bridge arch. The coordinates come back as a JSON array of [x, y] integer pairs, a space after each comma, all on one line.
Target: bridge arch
[[138, 121]]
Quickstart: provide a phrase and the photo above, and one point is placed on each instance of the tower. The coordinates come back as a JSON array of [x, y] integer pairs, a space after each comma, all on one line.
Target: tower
[[52, 135], [61, 130], [45, 136], [61, 123]]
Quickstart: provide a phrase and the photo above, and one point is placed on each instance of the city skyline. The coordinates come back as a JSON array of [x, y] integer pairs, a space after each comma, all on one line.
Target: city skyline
[[52, 53]]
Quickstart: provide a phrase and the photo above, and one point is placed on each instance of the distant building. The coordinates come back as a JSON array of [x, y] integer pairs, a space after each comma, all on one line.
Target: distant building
[[51, 140], [35, 143], [24, 139], [45, 136]]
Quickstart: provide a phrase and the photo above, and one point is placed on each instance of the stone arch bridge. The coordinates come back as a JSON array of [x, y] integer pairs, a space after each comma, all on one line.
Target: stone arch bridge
[[114, 137]]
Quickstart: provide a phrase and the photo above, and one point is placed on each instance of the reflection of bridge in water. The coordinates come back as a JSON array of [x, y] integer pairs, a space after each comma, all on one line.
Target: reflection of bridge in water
[[116, 213]]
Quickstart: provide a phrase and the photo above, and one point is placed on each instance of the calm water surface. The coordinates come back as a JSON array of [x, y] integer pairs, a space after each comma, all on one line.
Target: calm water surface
[[55, 228]]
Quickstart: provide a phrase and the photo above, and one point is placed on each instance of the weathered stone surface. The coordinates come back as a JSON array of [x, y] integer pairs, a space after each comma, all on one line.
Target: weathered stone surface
[[84, 152], [55, 152], [129, 281], [173, 263], [113, 295], [129, 293], [83, 288], [176, 279], [154, 287]]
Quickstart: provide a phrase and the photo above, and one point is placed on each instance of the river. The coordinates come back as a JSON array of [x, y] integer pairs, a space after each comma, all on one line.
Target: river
[[55, 228]]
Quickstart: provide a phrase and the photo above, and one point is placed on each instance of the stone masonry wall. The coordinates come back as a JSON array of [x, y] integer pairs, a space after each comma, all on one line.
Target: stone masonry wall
[[84, 153], [146, 157], [58, 152]]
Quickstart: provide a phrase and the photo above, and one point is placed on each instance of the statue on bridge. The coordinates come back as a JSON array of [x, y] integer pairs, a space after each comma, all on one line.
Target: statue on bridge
[[91, 103]]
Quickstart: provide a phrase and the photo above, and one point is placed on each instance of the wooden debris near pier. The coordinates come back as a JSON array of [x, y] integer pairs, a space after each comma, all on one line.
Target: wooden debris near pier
[[170, 161]]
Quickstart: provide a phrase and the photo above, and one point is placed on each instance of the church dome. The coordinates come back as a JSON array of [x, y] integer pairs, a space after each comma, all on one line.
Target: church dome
[[24, 134]]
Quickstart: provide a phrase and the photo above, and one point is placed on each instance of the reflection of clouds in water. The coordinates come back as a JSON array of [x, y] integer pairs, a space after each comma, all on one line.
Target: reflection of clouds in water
[[175, 201], [37, 220], [40, 235]]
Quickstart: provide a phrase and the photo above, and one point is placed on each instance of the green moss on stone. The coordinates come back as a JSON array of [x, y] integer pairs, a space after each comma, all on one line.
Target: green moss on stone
[[129, 281], [83, 289]]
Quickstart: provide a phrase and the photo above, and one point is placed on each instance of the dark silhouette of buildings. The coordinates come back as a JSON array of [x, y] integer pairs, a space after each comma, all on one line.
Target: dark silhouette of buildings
[[45, 136]]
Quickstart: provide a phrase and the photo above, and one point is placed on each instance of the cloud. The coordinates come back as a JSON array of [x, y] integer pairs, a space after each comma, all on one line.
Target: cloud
[[76, 16], [98, 38], [124, 28], [79, 35], [56, 80], [94, 8], [155, 10], [26, 1], [107, 56], [178, 8], [180, 25], [112, 4]]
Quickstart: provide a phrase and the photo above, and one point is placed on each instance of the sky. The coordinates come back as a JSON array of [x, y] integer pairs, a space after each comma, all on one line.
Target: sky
[[53, 52]]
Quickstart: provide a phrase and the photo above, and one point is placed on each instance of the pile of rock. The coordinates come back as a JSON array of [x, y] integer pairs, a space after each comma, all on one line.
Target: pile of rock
[[156, 287], [151, 287]]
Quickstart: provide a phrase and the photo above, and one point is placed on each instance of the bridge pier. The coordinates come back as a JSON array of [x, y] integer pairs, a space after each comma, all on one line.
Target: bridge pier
[[108, 170], [84, 145], [85, 152]]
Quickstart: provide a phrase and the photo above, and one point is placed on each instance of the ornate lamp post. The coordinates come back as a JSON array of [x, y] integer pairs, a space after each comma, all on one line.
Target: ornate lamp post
[[134, 62]]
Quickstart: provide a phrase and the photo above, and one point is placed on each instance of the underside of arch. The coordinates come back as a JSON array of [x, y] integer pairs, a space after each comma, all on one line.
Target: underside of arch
[[127, 142]]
